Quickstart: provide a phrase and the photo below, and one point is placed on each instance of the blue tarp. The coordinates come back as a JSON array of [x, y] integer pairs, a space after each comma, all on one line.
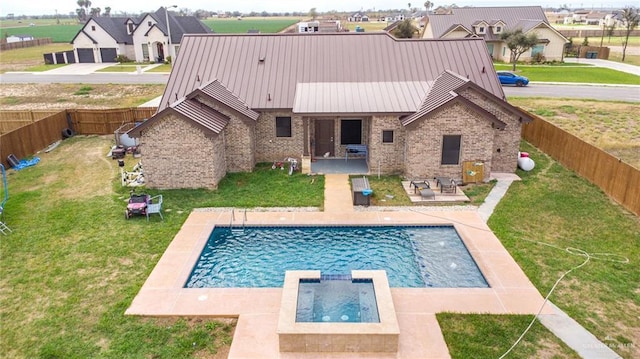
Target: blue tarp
[[26, 163]]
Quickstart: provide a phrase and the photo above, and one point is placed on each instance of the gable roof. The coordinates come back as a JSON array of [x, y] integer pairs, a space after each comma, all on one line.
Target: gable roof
[[199, 114], [263, 70], [114, 26], [446, 90], [216, 91], [179, 25], [511, 16]]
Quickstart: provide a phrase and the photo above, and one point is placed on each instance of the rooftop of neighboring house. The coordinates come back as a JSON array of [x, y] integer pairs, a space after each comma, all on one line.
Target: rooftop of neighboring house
[[524, 17]]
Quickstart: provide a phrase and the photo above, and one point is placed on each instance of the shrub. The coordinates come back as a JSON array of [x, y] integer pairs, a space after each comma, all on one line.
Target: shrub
[[123, 58]]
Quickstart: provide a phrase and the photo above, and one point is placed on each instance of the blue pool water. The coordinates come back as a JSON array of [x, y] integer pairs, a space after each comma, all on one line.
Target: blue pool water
[[413, 256], [337, 300]]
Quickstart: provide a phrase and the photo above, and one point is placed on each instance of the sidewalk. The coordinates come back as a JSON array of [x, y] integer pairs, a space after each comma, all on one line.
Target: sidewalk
[[628, 68]]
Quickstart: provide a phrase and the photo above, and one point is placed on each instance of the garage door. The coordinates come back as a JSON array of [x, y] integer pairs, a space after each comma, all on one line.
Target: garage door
[[108, 55], [85, 56]]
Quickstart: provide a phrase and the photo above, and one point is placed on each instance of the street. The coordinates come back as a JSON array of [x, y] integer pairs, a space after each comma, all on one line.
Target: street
[[597, 92]]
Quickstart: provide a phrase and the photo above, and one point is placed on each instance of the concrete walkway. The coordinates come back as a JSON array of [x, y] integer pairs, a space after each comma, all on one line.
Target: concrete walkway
[[619, 66], [558, 322]]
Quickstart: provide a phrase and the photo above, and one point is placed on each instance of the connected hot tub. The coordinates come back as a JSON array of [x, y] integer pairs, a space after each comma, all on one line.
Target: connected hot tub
[[337, 313]]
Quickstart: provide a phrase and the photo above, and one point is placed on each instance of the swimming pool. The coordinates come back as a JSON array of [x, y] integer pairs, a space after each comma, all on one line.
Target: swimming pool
[[412, 256]]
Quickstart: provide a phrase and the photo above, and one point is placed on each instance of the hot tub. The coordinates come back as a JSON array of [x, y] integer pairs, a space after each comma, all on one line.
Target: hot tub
[[337, 313]]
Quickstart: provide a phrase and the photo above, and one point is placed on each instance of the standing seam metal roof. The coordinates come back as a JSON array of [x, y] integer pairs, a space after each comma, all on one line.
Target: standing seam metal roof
[[216, 91], [262, 70]]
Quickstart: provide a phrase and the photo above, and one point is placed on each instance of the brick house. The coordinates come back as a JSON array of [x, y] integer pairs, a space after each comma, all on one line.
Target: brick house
[[421, 107]]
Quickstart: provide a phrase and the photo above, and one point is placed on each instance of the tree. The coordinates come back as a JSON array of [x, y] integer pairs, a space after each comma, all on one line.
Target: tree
[[518, 42], [585, 42], [313, 13], [405, 29], [428, 5], [631, 18], [95, 11], [83, 9], [107, 11]]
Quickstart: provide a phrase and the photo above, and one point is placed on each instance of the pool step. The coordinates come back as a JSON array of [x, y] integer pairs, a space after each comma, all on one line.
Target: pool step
[[304, 311]]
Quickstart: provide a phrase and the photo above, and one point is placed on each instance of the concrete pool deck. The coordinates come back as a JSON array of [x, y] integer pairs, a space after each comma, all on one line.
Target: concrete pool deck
[[257, 309]]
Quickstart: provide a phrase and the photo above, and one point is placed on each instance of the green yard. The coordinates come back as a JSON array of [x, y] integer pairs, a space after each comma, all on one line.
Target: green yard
[[59, 33], [567, 73], [235, 26]]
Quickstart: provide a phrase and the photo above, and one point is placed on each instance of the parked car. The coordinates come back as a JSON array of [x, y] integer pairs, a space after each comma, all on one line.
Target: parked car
[[509, 78]]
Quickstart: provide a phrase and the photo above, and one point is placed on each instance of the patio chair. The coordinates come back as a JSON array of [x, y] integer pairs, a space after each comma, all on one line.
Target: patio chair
[[425, 189], [155, 206]]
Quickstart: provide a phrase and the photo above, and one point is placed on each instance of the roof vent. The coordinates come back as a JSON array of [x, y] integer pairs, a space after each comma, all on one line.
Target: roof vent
[[261, 59], [268, 97], [198, 77], [483, 71]]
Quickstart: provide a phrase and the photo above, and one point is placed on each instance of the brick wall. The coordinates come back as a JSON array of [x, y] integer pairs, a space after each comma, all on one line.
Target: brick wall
[[388, 157], [505, 142], [239, 138], [424, 142], [271, 148], [176, 154]]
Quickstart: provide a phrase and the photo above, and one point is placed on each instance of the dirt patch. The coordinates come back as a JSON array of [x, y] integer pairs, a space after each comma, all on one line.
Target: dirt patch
[[83, 165], [66, 96]]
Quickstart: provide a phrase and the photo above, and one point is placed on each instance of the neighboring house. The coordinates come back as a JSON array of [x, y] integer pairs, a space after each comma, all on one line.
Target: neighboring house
[[103, 39], [489, 22], [423, 108], [358, 16]]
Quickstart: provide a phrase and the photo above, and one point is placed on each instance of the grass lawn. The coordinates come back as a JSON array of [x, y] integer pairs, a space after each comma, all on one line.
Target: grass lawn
[[161, 68], [73, 264], [490, 336], [572, 74], [59, 33], [26, 58], [127, 67], [611, 126], [628, 59], [235, 26]]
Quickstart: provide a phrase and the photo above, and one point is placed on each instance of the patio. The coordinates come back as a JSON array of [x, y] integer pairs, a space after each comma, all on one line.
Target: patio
[[257, 309]]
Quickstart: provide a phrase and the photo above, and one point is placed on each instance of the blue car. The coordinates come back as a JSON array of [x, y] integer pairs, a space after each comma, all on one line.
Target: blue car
[[509, 78]]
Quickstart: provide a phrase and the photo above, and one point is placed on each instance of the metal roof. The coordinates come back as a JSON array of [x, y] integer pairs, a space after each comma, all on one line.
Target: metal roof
[[359, 97], [208, 119], [262, 70], [215, 91], [511, 16], [441, 92]]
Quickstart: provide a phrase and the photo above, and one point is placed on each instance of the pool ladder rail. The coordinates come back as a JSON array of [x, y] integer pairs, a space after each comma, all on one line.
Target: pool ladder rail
[[233, 219]]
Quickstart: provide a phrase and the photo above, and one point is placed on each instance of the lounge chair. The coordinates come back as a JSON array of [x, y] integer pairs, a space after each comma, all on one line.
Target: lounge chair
[[424, 187]]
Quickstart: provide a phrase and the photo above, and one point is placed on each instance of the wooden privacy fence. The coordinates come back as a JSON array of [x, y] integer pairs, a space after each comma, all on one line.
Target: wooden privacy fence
[[27, 140], [37, 135], [102, 122], [10, 120], [617, 179], [28, 43]]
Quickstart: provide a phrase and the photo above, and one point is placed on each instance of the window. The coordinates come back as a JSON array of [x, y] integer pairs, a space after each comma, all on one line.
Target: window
[[498, 29], [130, 27], [149, 23], [387, 136], [351, 132], [537, 49], [283, 126], [481, 30], [451, 149], [93, 28], [145, 52]]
